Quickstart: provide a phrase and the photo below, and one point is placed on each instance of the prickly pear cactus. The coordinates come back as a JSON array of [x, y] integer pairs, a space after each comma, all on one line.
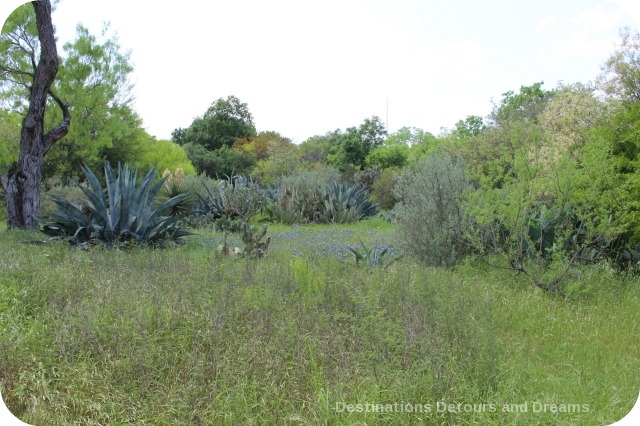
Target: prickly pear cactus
[[253, 241]]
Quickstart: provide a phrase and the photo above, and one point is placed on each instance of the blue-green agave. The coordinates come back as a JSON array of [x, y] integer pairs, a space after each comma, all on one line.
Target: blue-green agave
[[121, 213]]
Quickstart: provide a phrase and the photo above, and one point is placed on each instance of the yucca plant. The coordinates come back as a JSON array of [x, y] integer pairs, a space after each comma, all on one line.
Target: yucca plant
[[121, 213], [173, 186]]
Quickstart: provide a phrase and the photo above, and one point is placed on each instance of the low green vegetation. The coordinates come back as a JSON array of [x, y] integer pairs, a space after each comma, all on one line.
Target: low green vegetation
[[184, 335], [487, 275]]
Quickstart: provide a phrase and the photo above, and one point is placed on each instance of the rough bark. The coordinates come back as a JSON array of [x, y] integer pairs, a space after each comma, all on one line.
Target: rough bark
[[22, 184]]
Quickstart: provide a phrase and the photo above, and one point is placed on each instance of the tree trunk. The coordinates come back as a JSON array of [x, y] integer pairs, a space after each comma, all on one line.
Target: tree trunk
[[22, 184]]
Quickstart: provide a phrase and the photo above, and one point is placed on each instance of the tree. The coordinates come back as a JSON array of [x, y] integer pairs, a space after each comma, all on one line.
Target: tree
[[389, 156], [281, 160], [224, 122], [221, 162], [412, 137], [94, 81], [471, 126], [262, 143], [567, 121], [317, 148], [524, 106], [355, 143], [619, 135], [621, 74], [512, 133], [164, 155], [22, 183]]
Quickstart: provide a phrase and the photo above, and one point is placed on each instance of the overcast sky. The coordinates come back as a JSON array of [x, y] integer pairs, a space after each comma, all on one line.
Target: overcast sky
[[305, 68]]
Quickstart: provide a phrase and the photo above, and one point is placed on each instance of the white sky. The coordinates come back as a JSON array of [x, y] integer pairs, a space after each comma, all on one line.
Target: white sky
[[305, 68]]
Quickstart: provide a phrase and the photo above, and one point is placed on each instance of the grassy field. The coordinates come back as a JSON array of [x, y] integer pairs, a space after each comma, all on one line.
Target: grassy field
[[185, 336]]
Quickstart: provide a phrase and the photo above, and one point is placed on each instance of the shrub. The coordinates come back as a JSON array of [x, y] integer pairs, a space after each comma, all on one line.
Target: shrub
[[431, 220], [382, 190], [119, 214]]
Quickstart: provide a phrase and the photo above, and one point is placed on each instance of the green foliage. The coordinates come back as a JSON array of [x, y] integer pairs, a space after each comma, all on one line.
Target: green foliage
[[389, 156], [350, 149], [10, 124], [621, 74], [17, 40], [224, 161], [412, 137], [120, 214], [430, 212], [261, 144], [471, 126], [224, 122], [282, 159], [317, 148], [92, 79], [163, 155], [367, 176], [56, 186], [523, 106], [302, 199], [382, 190]]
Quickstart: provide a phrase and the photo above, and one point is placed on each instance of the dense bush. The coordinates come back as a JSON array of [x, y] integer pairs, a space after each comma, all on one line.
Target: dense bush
[[431, 218], [382, 190], [121, 213]]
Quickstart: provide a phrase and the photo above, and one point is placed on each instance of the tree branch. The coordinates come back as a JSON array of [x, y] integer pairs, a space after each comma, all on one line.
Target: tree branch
[[15, 71], [61, 129]]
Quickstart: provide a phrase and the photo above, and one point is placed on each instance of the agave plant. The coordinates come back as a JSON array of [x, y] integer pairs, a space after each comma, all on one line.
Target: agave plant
[[235, 198], [121, 213], [372, 256], [347, 204], [322, 203]]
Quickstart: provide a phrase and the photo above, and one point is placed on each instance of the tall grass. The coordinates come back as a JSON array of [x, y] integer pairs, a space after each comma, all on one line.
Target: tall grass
[[182, 336]]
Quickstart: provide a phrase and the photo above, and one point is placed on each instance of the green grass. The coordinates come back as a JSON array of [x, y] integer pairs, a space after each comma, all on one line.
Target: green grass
[[183, 336]]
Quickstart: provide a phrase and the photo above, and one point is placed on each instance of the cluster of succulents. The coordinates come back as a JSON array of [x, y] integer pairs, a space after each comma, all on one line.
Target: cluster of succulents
[[328, 204]]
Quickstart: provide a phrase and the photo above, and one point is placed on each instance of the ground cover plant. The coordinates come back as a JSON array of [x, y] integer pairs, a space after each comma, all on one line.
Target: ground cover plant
[[186, 336]]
